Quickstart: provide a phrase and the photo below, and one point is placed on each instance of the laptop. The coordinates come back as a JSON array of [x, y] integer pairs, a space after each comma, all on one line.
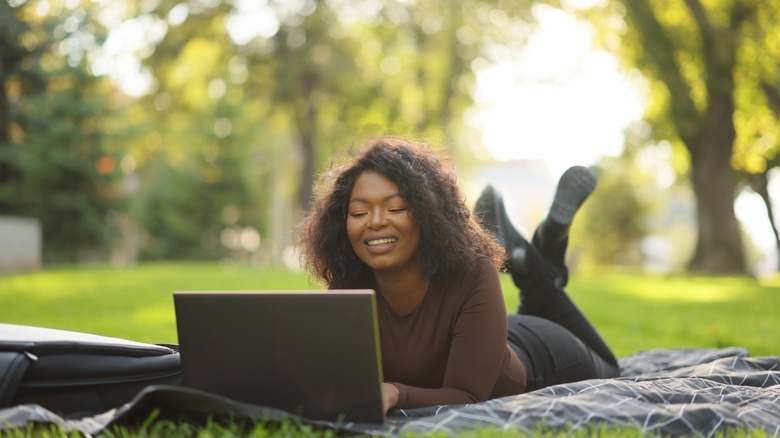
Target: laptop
[[311, 353]]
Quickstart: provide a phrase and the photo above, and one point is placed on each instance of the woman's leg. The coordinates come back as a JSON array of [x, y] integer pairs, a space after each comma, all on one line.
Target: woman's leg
[[542, 296], [540, 281], [553, 355], [489, 210], [551, 237]]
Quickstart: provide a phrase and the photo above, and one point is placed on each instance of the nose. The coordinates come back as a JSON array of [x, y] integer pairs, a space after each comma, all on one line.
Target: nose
[[377, 219]]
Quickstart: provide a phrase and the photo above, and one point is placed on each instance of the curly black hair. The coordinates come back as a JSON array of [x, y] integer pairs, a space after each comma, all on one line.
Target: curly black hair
[[451, 240]]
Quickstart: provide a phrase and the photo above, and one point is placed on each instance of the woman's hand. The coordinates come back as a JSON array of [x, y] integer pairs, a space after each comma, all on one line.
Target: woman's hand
[[389, 396]]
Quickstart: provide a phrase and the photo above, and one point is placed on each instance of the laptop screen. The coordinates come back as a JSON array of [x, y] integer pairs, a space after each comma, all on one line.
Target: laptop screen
[[311, 353]]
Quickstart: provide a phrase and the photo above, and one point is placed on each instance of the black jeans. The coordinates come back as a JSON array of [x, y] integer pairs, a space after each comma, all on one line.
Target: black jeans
[[549, 332], [553, 355]]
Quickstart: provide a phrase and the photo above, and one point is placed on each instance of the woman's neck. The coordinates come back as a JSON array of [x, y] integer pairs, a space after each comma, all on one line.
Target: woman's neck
[[403, 292]]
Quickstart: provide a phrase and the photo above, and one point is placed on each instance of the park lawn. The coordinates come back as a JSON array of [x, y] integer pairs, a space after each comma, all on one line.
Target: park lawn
[[133, 303], [632, 311], [635, 312]]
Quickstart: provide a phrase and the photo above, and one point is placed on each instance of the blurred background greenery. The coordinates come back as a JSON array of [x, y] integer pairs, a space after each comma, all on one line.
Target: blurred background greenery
[[154, 130]]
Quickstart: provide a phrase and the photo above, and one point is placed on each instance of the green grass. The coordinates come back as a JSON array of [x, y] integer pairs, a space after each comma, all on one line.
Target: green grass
[[632, 311], [638, 312], [133, 303]]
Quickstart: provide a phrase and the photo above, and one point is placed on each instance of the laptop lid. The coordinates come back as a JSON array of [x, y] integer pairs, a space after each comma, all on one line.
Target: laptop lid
[[311, 353]]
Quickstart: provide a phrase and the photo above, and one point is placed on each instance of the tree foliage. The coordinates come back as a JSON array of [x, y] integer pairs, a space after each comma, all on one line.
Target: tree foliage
[[760, 145], [55, 155], [218, 114], [315, 78], [612, 223]]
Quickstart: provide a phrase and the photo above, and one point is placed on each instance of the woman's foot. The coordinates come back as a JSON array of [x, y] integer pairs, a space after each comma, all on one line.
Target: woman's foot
[[490, 211], [552, 235], [574, 186], [537, 279]]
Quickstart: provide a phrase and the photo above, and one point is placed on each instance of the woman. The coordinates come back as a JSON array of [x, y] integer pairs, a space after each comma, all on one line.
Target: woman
[[393, 219]]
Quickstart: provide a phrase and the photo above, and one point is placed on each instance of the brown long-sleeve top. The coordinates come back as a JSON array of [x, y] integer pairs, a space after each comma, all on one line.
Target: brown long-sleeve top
[[452, 349]]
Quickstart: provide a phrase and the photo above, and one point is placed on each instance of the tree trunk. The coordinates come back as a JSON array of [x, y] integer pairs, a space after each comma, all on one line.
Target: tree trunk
[[759, 182], [719, 247], [306, 179], [7, 63], [5, 121], [306, 123]]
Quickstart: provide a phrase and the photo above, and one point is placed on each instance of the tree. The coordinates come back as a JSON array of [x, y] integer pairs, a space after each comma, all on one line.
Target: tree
[[344, 70], [197, 166], [56, 160], [20, 75], [765, 158], [757, 100], [613, 220], [691, 54]]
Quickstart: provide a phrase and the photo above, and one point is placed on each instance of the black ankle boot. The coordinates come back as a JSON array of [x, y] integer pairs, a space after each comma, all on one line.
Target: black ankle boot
[[489, 210], [537, 279], [574, 186], [552, 235]]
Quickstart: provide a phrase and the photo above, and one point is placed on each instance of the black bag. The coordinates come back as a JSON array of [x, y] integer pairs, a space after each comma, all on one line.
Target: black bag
[[77, 374]]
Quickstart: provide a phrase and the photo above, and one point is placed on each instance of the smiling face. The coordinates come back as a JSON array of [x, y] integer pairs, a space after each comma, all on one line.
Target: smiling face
[[380, 225]]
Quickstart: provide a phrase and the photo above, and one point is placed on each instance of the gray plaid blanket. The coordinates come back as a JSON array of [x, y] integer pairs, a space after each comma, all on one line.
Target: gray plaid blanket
[[677, 392], [665, 392]]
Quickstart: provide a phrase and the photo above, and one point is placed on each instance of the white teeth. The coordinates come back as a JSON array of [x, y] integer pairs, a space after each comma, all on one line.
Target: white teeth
[[380, 241]]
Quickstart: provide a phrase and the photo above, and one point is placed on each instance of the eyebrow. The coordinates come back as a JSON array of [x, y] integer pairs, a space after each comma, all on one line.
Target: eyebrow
[[385, 199]]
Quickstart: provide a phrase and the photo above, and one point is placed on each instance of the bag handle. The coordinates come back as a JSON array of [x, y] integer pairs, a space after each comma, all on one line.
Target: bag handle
[[13, 365]]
